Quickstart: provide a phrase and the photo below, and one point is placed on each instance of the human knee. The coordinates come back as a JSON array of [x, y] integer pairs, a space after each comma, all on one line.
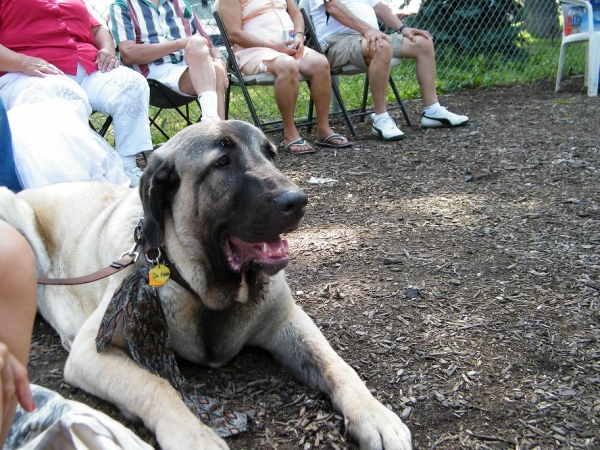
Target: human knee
[[126, 92], [383, 53], [197, 47], [385, 50], [425, 46], [287, 67], [321, 65]]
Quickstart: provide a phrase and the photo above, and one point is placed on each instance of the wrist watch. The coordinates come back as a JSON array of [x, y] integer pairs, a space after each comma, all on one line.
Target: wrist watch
[[402, 27]]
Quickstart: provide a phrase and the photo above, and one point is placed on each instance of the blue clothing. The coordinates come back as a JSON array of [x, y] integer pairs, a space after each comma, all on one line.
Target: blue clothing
[[8, 170]]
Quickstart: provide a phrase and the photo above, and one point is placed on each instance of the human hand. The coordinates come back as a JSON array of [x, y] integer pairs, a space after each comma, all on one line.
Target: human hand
[[106, 60], [37, 67], [13, 382], [299, 44], [282, 47], [183, 42], [375, 39], [412, 33]]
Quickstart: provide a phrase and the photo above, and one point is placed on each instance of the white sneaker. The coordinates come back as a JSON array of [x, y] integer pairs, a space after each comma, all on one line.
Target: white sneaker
[[443, 119], [134, 173], [387, 129]]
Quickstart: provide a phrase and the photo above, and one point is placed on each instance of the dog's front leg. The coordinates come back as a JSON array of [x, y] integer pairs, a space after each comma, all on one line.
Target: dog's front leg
[[301, 347], [114, 377]]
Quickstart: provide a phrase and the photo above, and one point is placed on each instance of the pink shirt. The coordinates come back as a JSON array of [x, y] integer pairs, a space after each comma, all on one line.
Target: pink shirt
[[58, 31], [264, 18]]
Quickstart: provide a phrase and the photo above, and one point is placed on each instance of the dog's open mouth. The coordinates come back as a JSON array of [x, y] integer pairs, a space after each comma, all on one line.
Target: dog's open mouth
[[268, 256]]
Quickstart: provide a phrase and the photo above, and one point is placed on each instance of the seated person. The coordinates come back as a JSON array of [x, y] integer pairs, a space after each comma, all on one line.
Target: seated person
[[76, 61], [348, 31], [181, 56], [255, 28]]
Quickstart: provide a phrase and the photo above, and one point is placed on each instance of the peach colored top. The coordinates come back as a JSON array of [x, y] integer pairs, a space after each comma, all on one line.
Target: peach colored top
[[264, 18]]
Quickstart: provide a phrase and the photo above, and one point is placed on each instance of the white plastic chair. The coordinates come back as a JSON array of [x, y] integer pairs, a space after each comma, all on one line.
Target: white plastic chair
[[592, 62]]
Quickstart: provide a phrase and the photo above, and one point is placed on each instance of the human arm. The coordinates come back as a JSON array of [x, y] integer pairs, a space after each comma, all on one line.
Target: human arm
[[386, 15], [231, 14], [11, 61], [374, 36], [103, 41], [134, 53], [299, 27]]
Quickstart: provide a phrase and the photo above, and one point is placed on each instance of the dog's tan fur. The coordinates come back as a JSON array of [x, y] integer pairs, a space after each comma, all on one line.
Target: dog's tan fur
[[207, 182]]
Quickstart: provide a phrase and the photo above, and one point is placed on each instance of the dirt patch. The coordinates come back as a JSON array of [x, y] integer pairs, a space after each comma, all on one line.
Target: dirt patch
[[457, 271]]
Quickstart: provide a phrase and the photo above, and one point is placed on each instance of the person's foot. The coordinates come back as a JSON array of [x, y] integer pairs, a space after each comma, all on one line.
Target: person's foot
[[134, 173], [209, 118], [334, 140], [299, 147], [443, 118], [387, 129]]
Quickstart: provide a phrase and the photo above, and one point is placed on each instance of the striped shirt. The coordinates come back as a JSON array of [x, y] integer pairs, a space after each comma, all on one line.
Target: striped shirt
[[144, 23]]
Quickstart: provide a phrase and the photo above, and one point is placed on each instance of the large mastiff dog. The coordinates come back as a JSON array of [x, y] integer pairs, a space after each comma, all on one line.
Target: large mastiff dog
[[214, 201]]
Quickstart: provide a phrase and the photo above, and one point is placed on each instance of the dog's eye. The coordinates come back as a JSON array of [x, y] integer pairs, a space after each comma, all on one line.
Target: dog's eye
[[222, 161]]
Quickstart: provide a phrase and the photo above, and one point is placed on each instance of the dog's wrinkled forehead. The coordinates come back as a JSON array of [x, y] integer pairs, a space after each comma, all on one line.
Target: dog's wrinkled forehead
[[201, 137]]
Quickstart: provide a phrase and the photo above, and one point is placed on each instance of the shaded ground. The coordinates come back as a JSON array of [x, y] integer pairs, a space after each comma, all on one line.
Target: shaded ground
[[457, 271]]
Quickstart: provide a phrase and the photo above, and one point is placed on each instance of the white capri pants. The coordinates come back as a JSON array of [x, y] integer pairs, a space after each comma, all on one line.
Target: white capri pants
[[122, 92]]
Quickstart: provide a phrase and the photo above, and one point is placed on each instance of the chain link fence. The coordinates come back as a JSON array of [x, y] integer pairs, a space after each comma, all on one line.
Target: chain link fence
[[478, 43]]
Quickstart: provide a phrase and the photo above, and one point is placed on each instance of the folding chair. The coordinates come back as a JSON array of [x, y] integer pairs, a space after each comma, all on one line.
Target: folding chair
[[349, 70], [100, 128], [263, 79], [162, 97]]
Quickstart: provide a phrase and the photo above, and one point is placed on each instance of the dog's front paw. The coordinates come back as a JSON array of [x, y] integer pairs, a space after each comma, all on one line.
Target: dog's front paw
[[197, 436], [377, 428]]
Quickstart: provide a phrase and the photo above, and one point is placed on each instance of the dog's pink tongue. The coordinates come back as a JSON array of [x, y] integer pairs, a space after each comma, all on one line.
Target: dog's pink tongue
[[266, 252]]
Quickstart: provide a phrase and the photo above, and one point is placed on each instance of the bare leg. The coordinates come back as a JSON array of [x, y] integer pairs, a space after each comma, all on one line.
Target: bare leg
[[204, 73], [379, 73], [17, 312], [423, 52], [316, 68], [286, 89]]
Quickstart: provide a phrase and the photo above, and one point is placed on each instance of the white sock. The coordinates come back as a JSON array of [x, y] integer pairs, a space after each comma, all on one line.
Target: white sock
[[129, 161], [378, 117], [432, 109], [208, 103]]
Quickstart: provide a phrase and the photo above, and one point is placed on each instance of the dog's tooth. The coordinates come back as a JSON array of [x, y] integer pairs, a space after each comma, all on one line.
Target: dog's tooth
[[265, 247]]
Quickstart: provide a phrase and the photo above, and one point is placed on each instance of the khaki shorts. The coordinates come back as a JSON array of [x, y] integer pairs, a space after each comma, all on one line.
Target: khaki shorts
[[343, 49]]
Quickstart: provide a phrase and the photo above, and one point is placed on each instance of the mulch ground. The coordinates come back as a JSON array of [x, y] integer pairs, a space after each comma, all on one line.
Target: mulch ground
[[458, 271]]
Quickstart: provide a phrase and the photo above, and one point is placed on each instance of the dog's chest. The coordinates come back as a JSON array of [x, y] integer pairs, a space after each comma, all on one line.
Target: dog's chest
[[207, 337]]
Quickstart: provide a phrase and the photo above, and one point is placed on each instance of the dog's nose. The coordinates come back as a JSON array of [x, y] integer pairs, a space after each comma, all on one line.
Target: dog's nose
[[291, 201]]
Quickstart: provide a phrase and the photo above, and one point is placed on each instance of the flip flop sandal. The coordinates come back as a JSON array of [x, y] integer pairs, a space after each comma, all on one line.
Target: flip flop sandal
[[327, 141], [298, 142]]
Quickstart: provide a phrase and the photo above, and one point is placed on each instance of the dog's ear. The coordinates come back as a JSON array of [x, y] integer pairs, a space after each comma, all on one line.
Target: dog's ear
[[158, 185]]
